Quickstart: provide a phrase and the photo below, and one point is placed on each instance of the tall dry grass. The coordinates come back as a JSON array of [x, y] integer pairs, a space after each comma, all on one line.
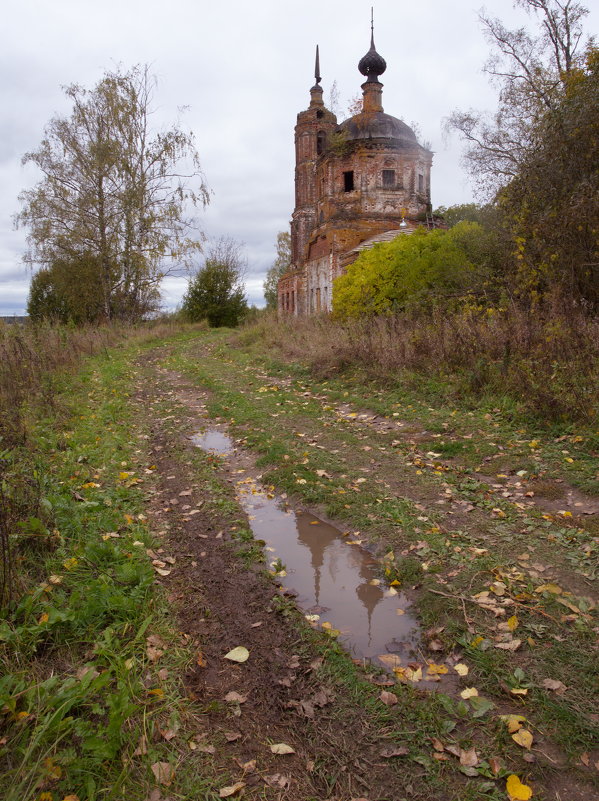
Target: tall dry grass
[[547, 362]]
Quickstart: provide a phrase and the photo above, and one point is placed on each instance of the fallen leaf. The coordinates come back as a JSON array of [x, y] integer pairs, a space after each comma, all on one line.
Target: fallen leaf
[[469, 758], [469, 692], [523, 737], [207, 749], [553, 684], [513, 623], [513, 645], [437, 669], [235, 698], [513, 722], [231, 736], [277, 780], [554, 589], [232, 789], [282, 748], [519, 691], [153, 654], [390, 660], [516, 790], [390, 699], [495, 765], [239, 654], [163, 772], [461, 669], [169, 734]]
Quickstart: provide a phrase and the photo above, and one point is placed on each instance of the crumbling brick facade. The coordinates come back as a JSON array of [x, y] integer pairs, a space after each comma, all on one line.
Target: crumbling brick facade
[[353, 182]]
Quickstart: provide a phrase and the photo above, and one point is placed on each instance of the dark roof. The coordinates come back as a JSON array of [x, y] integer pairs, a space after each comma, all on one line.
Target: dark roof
[[378, 125]]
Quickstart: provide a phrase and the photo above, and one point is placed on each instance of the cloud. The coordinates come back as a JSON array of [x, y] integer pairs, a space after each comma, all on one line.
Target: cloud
[[244, 71]]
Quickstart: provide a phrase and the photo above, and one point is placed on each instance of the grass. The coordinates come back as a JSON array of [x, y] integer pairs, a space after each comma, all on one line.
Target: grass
[[251, 391], [78, 689]]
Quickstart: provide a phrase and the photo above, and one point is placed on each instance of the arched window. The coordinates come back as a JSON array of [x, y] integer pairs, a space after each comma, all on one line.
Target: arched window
[[320, 142]]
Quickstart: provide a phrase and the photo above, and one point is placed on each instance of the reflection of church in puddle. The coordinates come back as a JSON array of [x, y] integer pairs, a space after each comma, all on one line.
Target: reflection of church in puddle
[[319, 539]]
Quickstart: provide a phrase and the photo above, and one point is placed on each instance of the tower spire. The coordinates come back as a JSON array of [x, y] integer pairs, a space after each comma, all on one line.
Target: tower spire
[[372, 64], [317, 75], [372, 27]]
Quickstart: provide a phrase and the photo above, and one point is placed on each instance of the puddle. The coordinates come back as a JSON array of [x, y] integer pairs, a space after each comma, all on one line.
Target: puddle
[[333, 581], [214, 442]]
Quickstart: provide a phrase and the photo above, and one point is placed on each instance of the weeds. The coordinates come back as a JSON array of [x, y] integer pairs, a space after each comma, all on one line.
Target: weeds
[[545, 362]]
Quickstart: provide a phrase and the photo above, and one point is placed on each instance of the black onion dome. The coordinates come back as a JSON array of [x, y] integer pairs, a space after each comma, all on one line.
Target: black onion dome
[[372, 65]]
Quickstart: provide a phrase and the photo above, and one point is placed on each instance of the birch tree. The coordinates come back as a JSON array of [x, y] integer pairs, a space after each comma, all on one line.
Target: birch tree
[[115, 192]]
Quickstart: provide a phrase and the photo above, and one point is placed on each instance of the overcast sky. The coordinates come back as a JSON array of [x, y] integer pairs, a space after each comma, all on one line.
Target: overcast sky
[[243, 70]]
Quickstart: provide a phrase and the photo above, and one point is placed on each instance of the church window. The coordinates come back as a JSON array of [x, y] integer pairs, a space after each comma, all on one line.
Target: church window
[[320, 141], [388, 178], [319, 114], [421, 183], [348, 181], [321, 217]]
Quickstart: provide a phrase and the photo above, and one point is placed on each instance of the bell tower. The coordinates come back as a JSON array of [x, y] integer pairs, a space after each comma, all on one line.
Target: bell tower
[[311, 134]]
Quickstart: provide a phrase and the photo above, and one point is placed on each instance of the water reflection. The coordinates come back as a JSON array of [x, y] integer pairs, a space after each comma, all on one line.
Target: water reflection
[[331, 578]]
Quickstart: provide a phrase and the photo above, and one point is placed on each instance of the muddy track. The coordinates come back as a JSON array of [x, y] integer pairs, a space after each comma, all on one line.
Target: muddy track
[[221, 604]]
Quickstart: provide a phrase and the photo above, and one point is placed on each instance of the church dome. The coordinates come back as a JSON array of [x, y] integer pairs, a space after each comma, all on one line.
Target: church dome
[[372, 64], [378, 125]]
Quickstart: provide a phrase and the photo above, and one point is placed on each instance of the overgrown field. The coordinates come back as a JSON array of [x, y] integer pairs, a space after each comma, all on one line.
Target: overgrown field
[[544, 363]]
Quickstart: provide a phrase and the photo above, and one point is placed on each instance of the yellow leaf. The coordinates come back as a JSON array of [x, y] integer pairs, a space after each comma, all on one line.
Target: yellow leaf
[[437, 669], [43, 618], [395, 583], [512, 623], [519, 691], [239, 654], [469, 692], [413, 675], [71, 797], [516, 790], [157, 691], [54, 771], [461, 669], [69, 564], [523, 737], [513, 722], [555, 589]]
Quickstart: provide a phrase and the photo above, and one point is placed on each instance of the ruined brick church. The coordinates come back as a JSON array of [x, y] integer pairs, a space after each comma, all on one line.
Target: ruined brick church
[[364, 181]]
